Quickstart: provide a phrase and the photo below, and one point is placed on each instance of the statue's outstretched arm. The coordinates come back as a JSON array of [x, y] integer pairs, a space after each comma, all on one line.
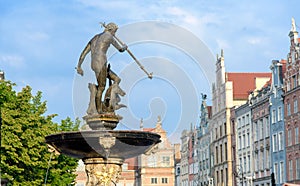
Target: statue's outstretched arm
[[121, 47], [86, 50]]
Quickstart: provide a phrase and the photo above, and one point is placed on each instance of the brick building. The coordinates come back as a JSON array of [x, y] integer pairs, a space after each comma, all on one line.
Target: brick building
[[291, 106]]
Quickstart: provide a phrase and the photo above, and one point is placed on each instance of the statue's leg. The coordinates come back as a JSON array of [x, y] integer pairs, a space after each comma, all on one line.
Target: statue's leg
[[92, 105], [101, 79], [114, 77]]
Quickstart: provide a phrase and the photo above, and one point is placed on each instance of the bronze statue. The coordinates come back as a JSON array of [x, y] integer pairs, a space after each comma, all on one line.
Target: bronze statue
[[98, 47]]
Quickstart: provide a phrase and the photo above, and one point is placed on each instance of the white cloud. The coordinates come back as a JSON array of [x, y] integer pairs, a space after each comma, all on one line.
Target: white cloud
[[185, 16], [255, 40], [13, 61], [37, 36]]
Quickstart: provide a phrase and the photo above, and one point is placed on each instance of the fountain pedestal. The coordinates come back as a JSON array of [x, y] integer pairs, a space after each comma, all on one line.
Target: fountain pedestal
[[102, 121], [103, 172]]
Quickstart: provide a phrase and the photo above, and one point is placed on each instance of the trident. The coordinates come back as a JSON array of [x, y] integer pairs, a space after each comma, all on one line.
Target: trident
[[150, 75]]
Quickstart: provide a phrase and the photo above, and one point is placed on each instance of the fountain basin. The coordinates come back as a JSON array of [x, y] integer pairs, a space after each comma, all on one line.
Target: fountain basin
[[91, 144]]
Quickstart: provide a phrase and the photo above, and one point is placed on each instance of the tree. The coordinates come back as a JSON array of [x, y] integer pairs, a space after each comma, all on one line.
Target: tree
[[24, 154]]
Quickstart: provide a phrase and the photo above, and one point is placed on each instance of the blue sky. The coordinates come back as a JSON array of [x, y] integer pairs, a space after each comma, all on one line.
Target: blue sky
[[41, 41]]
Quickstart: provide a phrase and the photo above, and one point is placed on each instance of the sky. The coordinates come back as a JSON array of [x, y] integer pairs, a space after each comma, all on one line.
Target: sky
[[178, 41]]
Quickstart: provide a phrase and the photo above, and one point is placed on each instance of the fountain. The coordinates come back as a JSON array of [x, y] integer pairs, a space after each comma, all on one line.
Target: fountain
[[103, 149]]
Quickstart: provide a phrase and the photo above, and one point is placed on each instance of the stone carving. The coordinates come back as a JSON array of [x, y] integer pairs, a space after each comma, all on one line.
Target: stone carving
[[101, 173]]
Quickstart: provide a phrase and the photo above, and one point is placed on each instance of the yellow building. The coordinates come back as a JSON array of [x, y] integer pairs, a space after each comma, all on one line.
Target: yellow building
[[156, 167], [230, 89]]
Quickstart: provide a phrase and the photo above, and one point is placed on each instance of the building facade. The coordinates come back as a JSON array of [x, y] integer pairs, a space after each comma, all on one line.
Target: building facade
[[230, 89], [157, 167], [261, 136], [184, 163], [243, 136], [277, 127], [291, 106], [203, 145]]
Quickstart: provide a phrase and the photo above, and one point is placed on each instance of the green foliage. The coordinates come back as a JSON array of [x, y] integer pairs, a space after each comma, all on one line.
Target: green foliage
[[24, 154]]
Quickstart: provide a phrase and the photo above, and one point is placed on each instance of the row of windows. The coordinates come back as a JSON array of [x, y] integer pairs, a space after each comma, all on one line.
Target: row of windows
[[243, 121], [220, 153], [155, 180], [295, 107], [290, 137], [261, 129], [164, 161], [221, 176], [244, 141], [262, 160], [279, 115], [294, 172], [221, 131], [293, 82], [246, 163], [279, 172], [278, 143]]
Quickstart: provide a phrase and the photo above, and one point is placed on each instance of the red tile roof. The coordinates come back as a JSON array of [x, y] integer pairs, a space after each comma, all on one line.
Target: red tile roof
[[244, 83], [298, 40]]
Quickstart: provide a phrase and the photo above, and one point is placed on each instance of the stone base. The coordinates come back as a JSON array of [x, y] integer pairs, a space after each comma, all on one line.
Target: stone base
[[103, 172], [107, 121]]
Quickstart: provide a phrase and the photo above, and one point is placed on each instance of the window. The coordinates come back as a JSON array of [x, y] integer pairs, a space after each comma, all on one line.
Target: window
[[274, 140], [295, 105], [243, 120], [248, 139], [225, 128], [289, 137], [256, 131], [164, 180], [296, 135], [152, 162], [261, 129], [281, 175], [217, 155], [291, 169], [256, 161], [244, 141], [247, 119], [276, 172], [153, 180], [294, 81], [240, 142], [298, 168], [225, 146], [280, 141], [221, 153], [268, 158], [249, 164], [288, 108], [221, 131], [245, 165], [165, 161], [267, 124], [261, 160], [273, 116], [279, 114]]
